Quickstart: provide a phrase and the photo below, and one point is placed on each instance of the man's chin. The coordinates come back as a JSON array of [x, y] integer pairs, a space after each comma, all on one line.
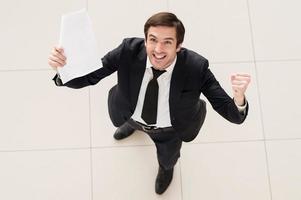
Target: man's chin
[[156, 66], [159, 65]]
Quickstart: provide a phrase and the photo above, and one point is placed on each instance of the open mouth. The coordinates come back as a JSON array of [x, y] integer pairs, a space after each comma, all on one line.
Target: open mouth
[[159, 57]]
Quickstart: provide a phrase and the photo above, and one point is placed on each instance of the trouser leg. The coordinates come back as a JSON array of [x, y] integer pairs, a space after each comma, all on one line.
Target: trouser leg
[[168, 148]]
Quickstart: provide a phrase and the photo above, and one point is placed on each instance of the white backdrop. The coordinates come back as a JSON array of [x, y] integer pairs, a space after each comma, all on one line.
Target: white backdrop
[[56, 143]]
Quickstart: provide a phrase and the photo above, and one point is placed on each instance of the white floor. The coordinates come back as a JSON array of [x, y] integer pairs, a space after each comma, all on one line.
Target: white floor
[[57, 144]]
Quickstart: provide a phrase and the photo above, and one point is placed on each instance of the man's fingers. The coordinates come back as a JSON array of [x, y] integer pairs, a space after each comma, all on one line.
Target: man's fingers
[[56, 61], [238, 88], [243, 77], [240, 82], [247, 79], [53, 64], [58, 54], [59, 49], [56, 57], [243, 74]]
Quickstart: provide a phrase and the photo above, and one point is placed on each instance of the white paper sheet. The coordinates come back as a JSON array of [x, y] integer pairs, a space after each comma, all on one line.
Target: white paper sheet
[[80, 46]]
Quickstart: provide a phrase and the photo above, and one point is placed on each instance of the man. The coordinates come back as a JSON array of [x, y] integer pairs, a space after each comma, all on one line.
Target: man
[[158, 90]]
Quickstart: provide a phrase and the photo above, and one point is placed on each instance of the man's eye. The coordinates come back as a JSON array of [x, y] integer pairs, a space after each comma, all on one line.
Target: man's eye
[[152, 39], [168, 42]]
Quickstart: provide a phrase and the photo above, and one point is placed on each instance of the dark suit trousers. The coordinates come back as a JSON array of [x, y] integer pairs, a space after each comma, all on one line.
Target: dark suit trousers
[[167, 143], [168, 148]]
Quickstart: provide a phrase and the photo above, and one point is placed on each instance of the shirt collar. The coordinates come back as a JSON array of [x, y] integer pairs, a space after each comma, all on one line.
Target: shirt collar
[[168, 69]]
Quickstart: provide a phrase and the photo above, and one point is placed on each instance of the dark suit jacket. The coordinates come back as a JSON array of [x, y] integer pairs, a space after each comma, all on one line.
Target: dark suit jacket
[[190, 78]]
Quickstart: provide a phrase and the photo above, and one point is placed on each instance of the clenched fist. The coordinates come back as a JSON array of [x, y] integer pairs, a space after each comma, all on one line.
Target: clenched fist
[[240, 84]]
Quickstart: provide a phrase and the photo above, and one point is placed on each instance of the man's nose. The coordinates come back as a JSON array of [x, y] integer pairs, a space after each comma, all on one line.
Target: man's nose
[[159, 47]]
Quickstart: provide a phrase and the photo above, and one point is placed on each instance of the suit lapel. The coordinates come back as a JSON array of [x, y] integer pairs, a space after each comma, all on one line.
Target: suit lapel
[[136, 76], [177, 81]]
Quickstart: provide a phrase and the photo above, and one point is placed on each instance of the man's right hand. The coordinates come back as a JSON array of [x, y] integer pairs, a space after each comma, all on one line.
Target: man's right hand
[[57, 58]]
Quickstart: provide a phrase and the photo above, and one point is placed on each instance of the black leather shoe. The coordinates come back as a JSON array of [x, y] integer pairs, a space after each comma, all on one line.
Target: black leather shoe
[[123, 131], [163, 180]]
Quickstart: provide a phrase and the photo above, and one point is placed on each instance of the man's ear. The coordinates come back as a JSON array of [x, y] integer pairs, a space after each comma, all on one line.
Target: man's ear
[[179, 47]]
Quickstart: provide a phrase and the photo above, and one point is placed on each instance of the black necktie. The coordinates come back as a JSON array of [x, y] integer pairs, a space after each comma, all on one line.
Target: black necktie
[[149, 110]]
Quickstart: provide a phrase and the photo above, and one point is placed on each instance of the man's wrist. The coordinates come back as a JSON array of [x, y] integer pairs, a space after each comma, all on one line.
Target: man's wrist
[[240, 101], [241, 107]]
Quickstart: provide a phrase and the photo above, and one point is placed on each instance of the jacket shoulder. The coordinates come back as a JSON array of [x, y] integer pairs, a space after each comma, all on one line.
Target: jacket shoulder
[[192, 59], [133, 44]]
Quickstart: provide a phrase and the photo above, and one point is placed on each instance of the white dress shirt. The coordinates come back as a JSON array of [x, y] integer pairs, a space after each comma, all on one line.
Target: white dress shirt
[[163, 114]]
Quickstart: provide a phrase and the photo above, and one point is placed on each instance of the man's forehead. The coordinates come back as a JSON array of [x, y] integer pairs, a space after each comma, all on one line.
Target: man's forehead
[[165, 38], [162, 32]]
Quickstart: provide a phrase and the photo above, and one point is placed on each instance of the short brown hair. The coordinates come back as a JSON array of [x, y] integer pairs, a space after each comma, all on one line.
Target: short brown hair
[[166, 19]]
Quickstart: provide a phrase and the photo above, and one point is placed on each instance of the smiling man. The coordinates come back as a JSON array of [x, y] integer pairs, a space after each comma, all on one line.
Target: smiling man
[[162, 46], [158, 90]]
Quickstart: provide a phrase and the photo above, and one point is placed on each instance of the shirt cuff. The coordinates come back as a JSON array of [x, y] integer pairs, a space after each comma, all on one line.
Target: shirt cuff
[[242, 109], [57, 80]]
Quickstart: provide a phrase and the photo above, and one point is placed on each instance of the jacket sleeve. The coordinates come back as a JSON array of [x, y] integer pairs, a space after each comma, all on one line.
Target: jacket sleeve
[[219, 99], [110, 63]]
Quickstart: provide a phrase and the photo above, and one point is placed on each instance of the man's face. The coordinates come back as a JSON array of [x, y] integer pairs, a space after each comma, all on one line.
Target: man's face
[[161, 46]]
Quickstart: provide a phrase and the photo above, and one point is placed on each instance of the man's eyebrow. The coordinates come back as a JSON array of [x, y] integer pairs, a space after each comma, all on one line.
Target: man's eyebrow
[[151, 35], [169, 38]]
